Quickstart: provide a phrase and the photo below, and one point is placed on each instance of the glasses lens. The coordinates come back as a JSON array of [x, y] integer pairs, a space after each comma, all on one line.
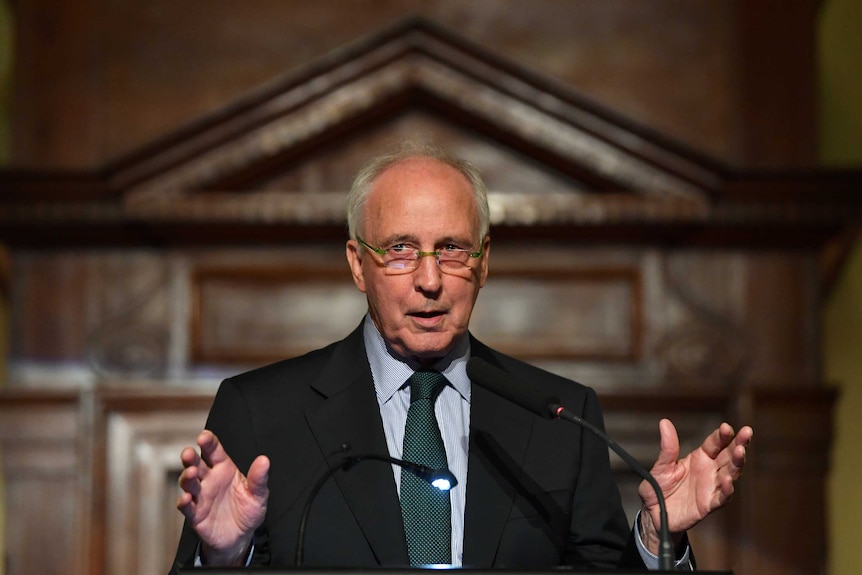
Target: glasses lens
[[454, 258], [452, 267], [400, 265], [455, 268]]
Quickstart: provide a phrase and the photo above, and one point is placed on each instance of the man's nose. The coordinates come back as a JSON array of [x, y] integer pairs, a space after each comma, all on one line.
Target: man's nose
[[428, 272]]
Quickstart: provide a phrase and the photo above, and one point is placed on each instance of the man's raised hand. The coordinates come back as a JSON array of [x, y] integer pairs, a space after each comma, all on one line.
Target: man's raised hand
[[697, 484], [222, 505]]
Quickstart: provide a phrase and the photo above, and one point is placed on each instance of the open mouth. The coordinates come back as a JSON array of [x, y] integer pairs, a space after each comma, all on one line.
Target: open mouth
[[427, 314]]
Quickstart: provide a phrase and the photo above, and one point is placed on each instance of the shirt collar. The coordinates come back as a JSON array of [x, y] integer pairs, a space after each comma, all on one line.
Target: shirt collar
[[391, 371]]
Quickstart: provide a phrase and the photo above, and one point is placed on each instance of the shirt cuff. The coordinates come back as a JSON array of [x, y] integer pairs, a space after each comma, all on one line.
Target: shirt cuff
[[199, 562], [651, 561]]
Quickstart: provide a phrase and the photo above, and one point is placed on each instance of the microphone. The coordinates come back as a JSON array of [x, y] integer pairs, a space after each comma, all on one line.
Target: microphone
[[498, 381], [442, 479]]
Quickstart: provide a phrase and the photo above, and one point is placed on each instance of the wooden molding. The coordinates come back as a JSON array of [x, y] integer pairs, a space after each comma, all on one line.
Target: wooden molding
[[205, 183]]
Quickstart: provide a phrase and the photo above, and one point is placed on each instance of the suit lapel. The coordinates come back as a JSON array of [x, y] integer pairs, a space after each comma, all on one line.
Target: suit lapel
[[499, 437], [350, 415]]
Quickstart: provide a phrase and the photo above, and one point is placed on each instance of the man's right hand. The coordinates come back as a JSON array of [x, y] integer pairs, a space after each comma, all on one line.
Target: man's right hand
[[222, 505]]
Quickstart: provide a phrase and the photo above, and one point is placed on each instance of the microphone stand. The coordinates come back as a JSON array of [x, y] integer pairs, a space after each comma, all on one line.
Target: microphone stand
[[442, 479], [666, 551]]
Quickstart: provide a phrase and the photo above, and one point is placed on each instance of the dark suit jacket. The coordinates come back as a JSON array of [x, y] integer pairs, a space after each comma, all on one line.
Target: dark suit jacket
[[539, 492]]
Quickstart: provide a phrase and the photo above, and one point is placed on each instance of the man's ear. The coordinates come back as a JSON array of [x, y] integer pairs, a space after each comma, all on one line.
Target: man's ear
[[486, 251], [355, 262]]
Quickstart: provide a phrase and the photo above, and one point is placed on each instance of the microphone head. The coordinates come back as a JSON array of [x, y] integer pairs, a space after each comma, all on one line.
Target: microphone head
[[442, 478], [498, 381]]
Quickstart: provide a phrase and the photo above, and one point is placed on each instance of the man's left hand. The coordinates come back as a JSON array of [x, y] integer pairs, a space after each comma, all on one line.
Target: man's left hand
[[695, 485]]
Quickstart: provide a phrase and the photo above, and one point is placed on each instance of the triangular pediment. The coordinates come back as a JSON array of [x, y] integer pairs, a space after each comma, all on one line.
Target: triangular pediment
[[305, 135], [284, 155]]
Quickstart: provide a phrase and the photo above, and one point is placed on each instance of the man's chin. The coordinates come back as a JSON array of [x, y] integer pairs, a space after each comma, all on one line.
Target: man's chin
[[424, 351]]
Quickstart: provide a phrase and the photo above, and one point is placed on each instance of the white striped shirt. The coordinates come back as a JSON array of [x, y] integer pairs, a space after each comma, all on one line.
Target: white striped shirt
[[390, 373]]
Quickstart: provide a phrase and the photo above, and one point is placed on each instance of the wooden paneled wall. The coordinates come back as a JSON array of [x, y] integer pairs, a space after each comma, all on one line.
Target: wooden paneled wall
[[612, 317], [178, 168]]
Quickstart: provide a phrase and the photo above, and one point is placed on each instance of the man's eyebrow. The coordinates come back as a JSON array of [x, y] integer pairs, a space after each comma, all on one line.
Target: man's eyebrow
[[399, 239], [413, 240], [457, 240]]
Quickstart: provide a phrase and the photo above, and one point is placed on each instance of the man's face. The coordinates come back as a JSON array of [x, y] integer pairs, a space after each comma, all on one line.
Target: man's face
[[428, 205]]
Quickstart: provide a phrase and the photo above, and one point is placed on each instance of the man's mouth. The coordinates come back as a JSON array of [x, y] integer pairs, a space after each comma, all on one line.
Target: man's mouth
[[426, 314]]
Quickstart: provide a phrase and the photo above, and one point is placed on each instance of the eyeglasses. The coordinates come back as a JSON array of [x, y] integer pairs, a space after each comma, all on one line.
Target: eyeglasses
[[404, 258]]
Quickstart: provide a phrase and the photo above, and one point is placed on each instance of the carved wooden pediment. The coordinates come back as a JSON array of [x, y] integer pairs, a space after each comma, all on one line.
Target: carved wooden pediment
[[277, 164]]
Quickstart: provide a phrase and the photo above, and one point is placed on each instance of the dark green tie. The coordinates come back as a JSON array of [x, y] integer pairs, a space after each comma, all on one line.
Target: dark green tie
[[425, 509]]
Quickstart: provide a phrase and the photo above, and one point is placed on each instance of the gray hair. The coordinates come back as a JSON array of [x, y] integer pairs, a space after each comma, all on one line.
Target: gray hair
[[366, 176]]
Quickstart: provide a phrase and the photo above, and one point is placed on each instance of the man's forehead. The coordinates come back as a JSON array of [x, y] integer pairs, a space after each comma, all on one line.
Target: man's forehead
[[421, 195], [423, 167]]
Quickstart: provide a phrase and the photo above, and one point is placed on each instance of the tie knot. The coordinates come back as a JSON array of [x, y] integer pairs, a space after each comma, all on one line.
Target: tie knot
[[426, 384]]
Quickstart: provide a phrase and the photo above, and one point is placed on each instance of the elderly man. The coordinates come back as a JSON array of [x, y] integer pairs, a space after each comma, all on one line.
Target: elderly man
[[530, 493]]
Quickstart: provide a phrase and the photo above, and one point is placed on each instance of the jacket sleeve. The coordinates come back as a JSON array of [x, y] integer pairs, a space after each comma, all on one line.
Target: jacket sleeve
[[599, 535]]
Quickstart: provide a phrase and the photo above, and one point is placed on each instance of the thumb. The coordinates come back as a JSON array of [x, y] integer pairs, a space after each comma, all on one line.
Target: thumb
[[669, 451], [258, 477]]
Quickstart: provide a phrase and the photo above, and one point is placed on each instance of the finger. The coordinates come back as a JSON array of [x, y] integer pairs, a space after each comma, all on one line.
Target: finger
[[717, 441], [212, 451], [738, 447], [737, 457], [669, 450], [738, 451], [185, 504], [190, 509], [190, 458], [744, 437], [190, 481], [733, 462], [258, 477], [724, 492]]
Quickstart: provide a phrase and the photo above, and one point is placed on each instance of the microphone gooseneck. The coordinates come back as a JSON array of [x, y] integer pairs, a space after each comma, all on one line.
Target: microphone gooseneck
[[666, 552], [442, 479], [498, 381]]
